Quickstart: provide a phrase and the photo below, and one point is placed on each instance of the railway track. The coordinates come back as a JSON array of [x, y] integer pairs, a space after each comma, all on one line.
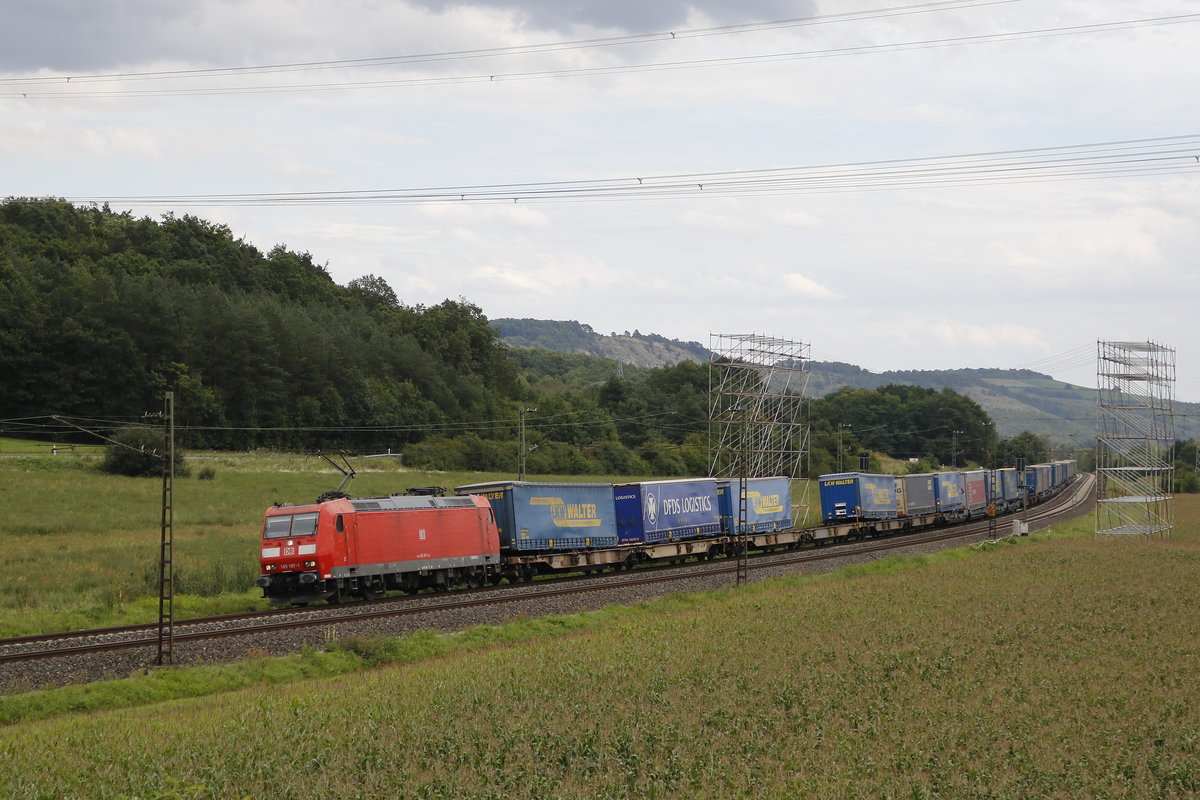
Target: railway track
[[1068, 503]]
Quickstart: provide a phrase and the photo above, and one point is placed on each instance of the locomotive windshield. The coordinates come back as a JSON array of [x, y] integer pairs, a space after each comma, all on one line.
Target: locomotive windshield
[[285, 525]]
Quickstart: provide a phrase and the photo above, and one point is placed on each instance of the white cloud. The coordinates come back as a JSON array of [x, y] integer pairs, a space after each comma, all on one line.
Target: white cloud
[[464, 214], [796, 218], [709, 220], [807, 287], [549, 275]]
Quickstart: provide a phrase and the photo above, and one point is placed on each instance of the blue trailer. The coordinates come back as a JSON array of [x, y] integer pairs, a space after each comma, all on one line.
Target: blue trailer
[[1038, 480], [768, 505], [661, 511], [550, 516], [1006, 488], [950, 489], [846, 496]]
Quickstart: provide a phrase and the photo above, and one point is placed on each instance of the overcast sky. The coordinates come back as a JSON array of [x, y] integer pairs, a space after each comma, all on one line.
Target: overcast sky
[[1007, 265]]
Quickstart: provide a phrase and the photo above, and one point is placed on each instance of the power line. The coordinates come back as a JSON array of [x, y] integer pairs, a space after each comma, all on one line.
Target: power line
[[1061, 362], [1161, 155], [488, 52], [76, 87]]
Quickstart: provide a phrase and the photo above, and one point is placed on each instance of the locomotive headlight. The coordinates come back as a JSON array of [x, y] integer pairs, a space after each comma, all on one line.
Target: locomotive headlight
[[310, 563], [268, 567]]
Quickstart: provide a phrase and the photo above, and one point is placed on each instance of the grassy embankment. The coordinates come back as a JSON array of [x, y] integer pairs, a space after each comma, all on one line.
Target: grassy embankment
[[1063, 666], [81, 548]]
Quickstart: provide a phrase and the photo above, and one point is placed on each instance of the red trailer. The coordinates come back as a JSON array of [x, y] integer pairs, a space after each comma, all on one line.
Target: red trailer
[[977, 492], [364, 546]]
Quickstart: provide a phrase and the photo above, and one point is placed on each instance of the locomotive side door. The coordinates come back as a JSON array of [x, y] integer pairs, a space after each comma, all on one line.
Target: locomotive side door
[[344, 539]]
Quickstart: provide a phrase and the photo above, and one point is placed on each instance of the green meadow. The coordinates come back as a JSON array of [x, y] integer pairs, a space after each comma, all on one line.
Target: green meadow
[[1060, 665]]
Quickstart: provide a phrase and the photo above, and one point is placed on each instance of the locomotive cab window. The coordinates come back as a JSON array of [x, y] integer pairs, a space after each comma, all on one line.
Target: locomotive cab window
[[286, 525]]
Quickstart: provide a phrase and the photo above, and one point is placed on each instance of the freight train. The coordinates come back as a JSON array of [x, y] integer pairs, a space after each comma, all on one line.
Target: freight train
[[947, 496], [488, 532]]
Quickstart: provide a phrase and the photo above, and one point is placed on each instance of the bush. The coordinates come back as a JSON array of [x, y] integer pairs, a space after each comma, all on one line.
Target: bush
[[138, 453]]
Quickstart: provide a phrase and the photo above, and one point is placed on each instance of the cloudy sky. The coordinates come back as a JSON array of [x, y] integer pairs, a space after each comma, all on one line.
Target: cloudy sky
[[902, 185]]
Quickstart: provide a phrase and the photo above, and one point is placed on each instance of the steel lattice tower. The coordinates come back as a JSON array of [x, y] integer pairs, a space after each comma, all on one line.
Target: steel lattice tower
[[756, 406], [756, 421], [1135, 439]]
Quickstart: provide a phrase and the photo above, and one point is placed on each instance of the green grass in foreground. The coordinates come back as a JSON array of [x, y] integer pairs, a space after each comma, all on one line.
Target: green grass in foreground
[[1056, 668]]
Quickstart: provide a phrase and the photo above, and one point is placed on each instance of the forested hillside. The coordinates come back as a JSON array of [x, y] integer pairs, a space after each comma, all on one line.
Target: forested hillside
[[101, 312]]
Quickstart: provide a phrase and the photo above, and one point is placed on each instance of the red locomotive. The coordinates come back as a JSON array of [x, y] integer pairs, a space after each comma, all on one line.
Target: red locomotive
[[360, 547]]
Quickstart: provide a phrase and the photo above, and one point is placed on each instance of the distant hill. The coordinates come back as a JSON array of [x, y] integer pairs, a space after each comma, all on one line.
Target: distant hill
[[639, 349], [1017, 400]]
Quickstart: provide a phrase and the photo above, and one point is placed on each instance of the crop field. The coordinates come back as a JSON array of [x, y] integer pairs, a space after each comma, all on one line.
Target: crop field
[[1056, 666]]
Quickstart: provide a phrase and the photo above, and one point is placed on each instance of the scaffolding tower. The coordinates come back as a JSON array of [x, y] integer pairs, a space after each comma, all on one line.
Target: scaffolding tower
[[756, 421], [1135, 438]]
